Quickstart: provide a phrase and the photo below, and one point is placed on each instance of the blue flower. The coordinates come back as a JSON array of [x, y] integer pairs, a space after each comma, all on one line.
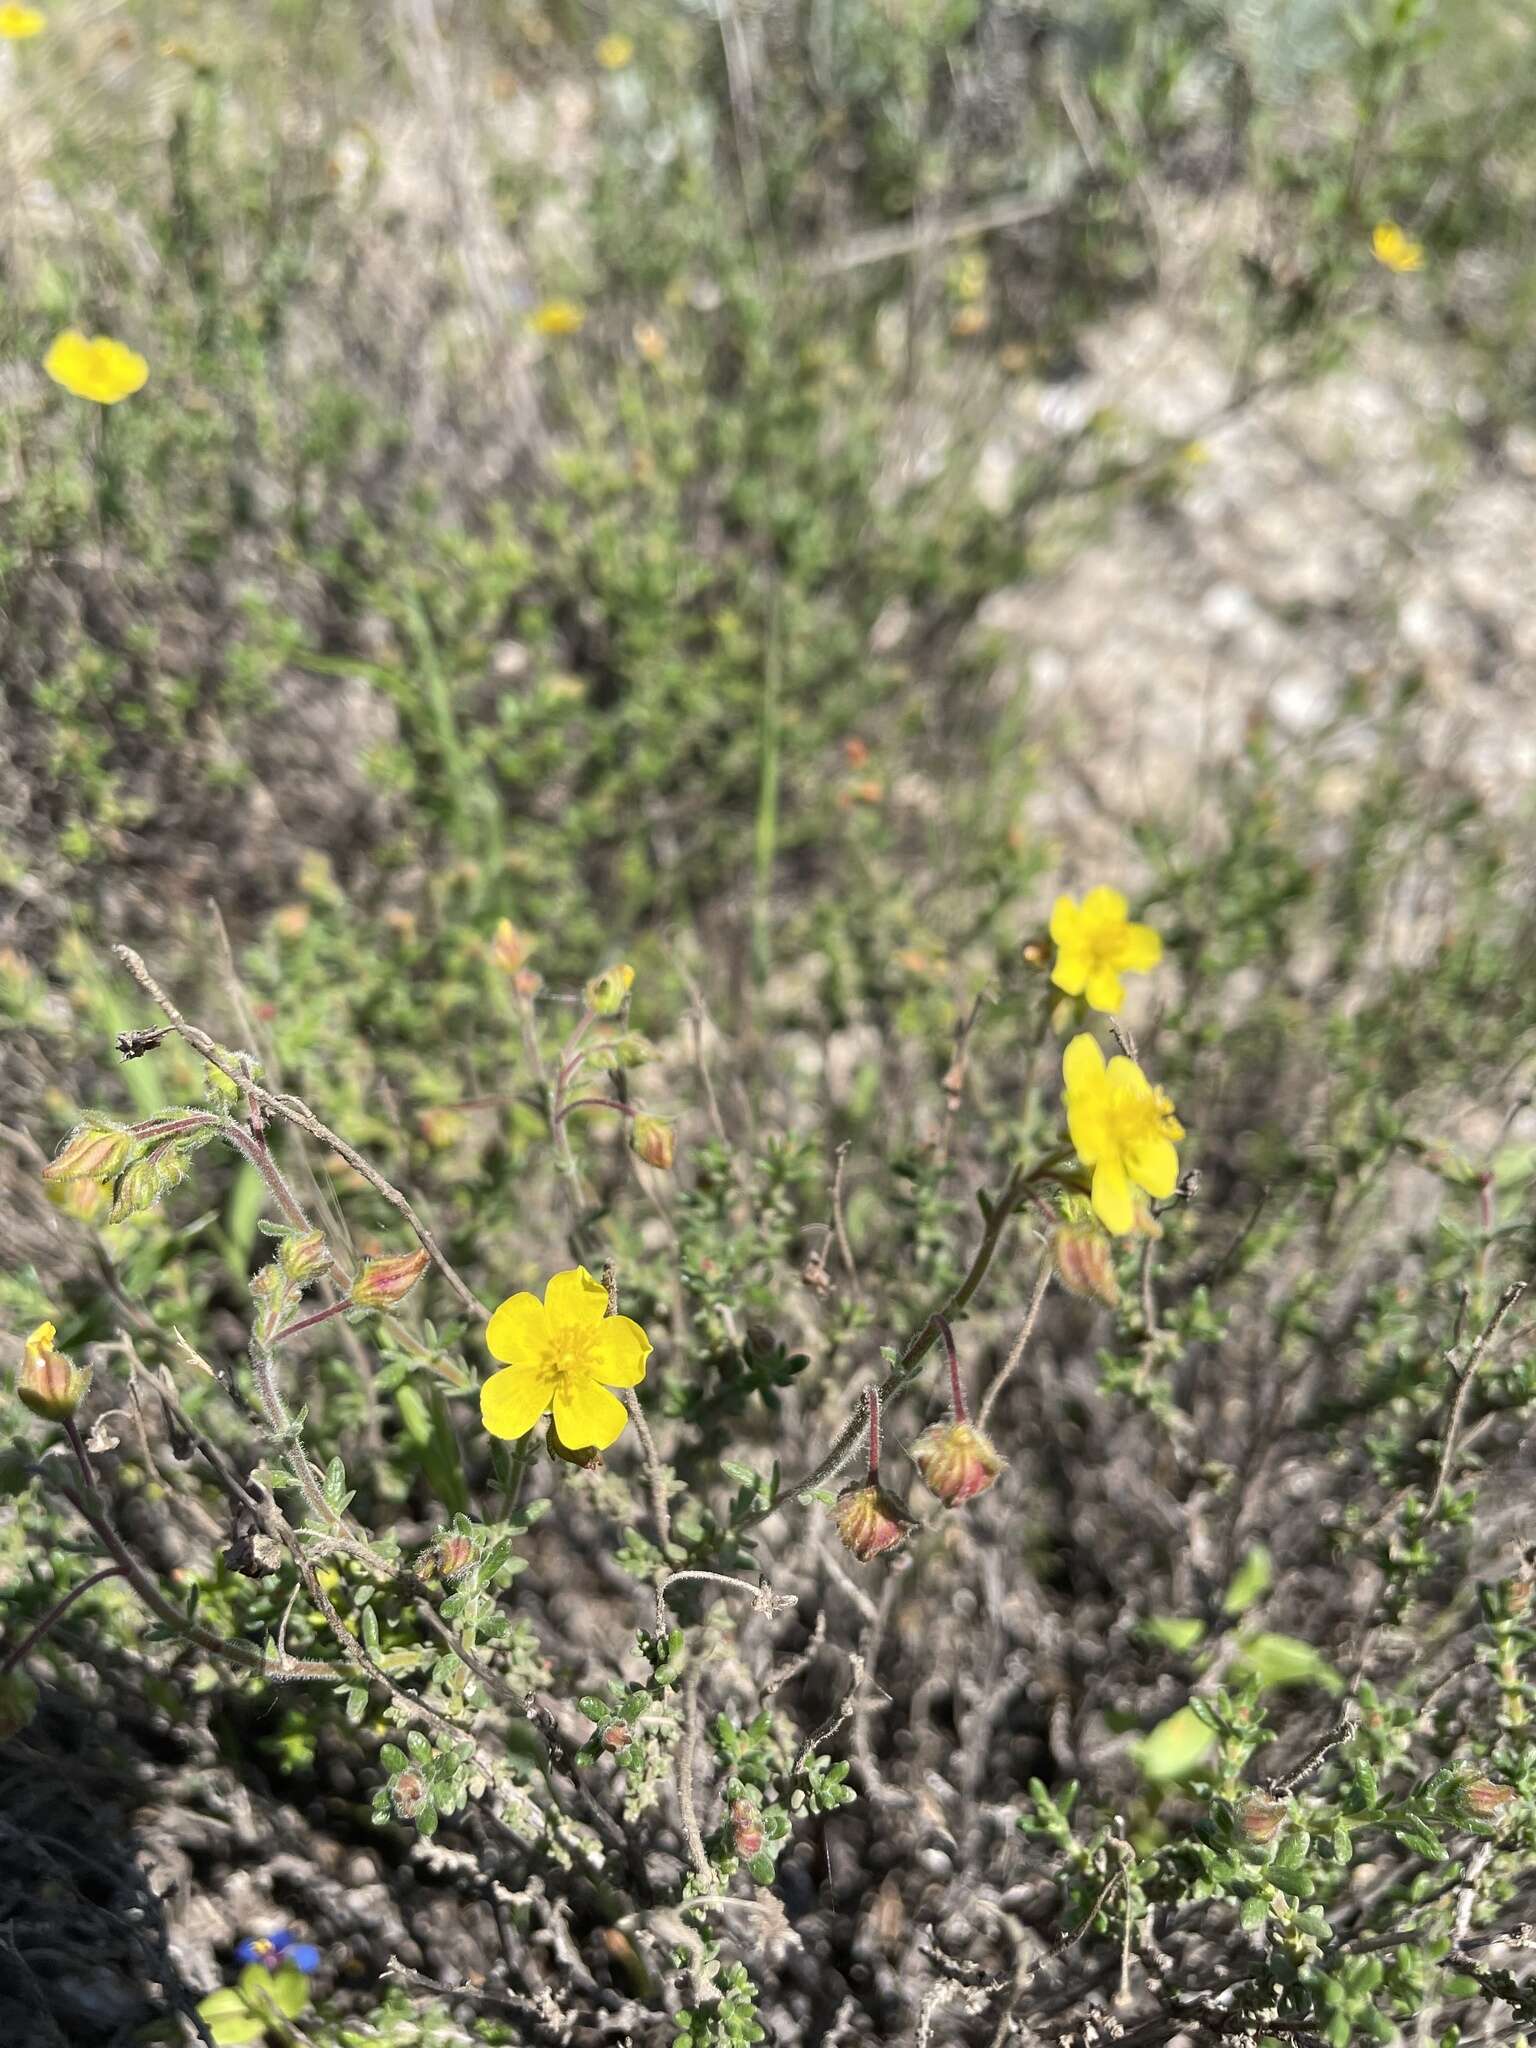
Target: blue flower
[[277, 1948]]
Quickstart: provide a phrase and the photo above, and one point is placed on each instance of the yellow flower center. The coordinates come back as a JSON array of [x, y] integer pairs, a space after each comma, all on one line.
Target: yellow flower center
[[1135, 1115], [568, 1360]]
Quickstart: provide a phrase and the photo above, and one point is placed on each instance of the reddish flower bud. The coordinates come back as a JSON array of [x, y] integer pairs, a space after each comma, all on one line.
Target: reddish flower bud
[[50, 1384], [871, 1521], [746, 1829], [510, 948], [1484, 1798], [957, 1461], [1259, 1818], [452, 1555], [616, 1736], [654, 1140], [409, 1794], [384, 1283], [1084, 1261], [93, 1152]]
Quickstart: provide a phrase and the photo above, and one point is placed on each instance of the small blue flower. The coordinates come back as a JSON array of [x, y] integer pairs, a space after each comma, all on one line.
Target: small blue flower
[[281, 1946]]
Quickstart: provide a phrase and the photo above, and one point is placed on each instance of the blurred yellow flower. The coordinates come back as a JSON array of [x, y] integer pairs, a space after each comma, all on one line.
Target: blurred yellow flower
[[1122, 1127], [562, 1354], [1096, 943], [18, 23], [101, 369], [614, 52], [557, 316], [650, 341], [1389, 245]]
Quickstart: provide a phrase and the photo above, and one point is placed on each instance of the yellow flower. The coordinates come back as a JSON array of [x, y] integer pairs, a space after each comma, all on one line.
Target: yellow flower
[[1389, 245], [614, 52], [563, 1353], [18, 23], [1096, 944], [1122, 1127], [557, 316], [102, 370]]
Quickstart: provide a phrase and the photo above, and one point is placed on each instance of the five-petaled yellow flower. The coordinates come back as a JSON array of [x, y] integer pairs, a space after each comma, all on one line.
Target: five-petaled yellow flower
[[557, 316], [1400, 252], [100, 369], [1096, 943], [563, 1353], [18, 23], [1122, 1127], [614, 52]]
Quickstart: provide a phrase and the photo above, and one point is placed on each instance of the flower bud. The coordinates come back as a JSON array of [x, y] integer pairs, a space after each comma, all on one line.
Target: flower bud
[[654, 1140], [50, 1384], [1260, 1818], [84, 1201], [608, 992], [630, 1050], [91, 1152], [871, 1521], [510, 948], [1085, 1262], [746, 1829], [957, 1461], [384, 1283], [409, 1793], [1483, 1798], [451, 1555], [616, 1736], [303, 1254]]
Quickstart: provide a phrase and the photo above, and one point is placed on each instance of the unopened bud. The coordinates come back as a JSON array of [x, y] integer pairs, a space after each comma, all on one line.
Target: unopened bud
[[92, 1152], [84, 1201], [303, 1254], [654, 1140], [629, 1050], [50, 1384], [510, 948], [608, 992], [1484, 1798], [384, 1283], [871, 1521], [957, 1461], [1085, 1262], [616, 1736], [1259, 1818], [452, 1555], [746, 1829], [409, 1793]]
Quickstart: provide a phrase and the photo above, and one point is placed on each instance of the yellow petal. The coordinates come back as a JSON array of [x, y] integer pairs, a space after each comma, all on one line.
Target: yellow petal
[[1124, 1074], [588, 1415], [511, 1401], [1066, 921], [1112, 1197], [1082, 1065], [1105, 990], [1140, 949], [574, 1299], [1104, 906], [1086, 1127], [620, 1352], [1154, 1165], [1070, 974], [518, 1333]]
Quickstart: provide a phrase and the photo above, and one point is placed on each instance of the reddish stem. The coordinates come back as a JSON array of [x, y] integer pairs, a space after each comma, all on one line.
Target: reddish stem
[[36, 1634], [82, 1455], [596, 1102], [319, 1315], [956, 1391], [873, 1398]]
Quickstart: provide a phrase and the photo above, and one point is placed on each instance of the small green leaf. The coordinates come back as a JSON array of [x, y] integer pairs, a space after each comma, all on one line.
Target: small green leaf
[[229, 2019], [1180, 1633], [1250, 1582], [1286, 1660], [1174, 1747]]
